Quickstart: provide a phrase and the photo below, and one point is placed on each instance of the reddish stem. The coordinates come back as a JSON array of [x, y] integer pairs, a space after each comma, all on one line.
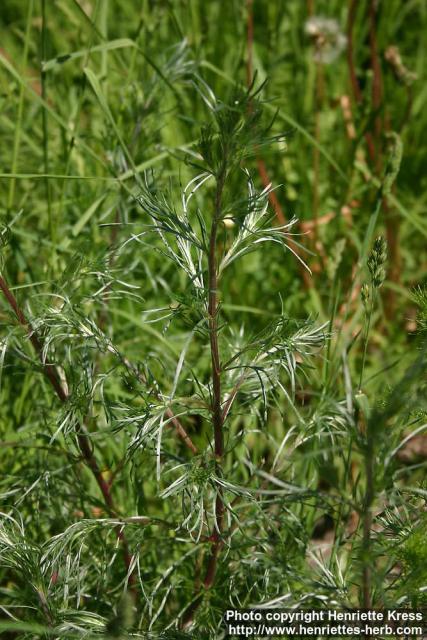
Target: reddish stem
[[355, 86], [217, 416], [377, 81], [216, 409], [51, 373]]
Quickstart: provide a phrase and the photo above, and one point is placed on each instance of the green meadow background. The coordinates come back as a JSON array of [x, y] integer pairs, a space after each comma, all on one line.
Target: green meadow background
[[96, 98]]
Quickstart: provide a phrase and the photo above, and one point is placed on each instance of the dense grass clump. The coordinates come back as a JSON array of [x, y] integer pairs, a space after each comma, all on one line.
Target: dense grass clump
[[212, 312]]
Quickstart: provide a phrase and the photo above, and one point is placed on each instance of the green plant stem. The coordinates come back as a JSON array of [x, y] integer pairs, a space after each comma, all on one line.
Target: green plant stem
[[17, 139], [76, 122], [369, 490], [367, 522], [319, 95], [85, 447], [44, 125], [365, 346]]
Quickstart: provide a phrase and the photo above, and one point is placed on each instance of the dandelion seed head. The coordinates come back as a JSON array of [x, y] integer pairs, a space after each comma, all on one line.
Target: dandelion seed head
[[327, 37]]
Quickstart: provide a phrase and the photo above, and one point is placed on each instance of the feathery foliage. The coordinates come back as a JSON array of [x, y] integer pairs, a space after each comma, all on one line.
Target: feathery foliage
[[212, 313]]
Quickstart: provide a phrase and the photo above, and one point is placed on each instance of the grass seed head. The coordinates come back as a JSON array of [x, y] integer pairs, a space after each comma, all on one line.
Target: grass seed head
[[376, 262]]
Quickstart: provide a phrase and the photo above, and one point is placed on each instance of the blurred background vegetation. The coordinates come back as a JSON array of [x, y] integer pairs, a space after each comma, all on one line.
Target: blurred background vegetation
[[98, 94], [54, 123]]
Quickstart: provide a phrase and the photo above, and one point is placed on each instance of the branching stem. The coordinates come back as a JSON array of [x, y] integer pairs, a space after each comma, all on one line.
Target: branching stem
[[51, 373]]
